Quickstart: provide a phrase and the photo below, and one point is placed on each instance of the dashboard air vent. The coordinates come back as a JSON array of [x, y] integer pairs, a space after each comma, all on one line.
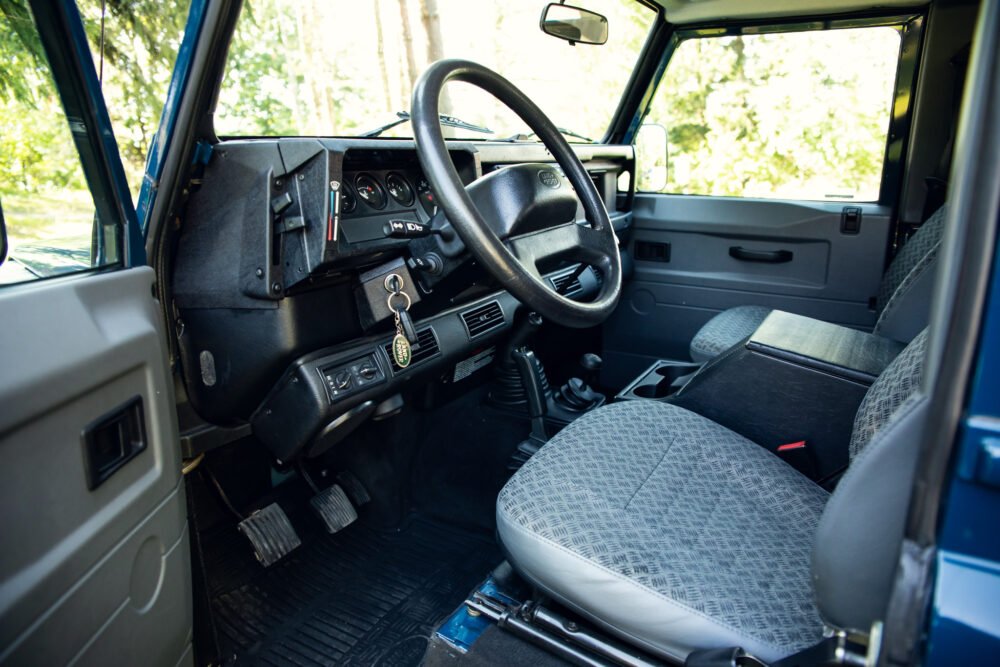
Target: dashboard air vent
[[567, 284], [483, 318], [425, 348]]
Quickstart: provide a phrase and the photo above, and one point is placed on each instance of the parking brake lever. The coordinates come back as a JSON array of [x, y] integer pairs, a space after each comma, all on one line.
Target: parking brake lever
[[527, 369]]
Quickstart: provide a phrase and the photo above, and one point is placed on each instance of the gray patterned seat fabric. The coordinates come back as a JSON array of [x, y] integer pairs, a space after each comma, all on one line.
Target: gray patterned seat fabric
[[678, 534], [725, 330], [902, 301]]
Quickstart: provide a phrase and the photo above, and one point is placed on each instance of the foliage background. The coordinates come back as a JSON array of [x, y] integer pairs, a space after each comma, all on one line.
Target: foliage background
[[786, 115]]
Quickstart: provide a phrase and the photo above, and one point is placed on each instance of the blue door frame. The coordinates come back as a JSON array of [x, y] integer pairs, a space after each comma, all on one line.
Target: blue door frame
[[80, 88], [965, 619], [163, 139], [65, 42]]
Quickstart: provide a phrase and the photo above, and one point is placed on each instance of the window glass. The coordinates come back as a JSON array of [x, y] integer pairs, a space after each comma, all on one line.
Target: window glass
[[141, 39], [328, 68], [800, 115], [47, 207]]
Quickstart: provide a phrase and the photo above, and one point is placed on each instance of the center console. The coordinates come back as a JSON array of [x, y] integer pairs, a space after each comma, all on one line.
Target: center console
[[793, 387]]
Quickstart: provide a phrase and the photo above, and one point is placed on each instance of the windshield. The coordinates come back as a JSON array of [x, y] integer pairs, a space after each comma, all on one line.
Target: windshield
[[347, 67]]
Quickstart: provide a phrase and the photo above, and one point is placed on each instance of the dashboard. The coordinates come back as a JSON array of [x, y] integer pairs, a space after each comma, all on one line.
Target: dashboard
[[278, 280]]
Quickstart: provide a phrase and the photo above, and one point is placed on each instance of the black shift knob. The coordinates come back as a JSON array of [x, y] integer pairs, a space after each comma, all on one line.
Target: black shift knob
[[591, 365], [590, 362]]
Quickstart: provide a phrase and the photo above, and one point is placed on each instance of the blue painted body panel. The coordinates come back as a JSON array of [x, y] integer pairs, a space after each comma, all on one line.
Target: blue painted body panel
[[132, 239], [965, 619], [461, 630], [168, 120]]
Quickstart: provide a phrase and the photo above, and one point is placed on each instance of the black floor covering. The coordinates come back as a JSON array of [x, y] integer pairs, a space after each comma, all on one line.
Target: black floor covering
[[464, 450], [360, 597]]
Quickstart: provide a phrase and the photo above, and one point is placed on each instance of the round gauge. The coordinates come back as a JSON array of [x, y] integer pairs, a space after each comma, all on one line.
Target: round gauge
[[399, 189], [347, 201], [426, 196], [370, 191]]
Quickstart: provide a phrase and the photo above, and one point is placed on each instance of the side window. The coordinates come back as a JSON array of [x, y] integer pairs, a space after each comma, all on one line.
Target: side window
[[788, 115], [47, 206]]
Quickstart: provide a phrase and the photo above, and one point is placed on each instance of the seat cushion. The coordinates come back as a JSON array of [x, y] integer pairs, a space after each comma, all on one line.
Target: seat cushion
[[725, 330], [668, 530]]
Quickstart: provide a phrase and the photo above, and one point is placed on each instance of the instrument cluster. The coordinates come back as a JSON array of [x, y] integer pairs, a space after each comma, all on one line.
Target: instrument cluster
[[371, 192]]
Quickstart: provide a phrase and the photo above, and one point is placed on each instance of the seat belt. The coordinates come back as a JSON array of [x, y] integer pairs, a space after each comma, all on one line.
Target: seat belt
[[937, 183]]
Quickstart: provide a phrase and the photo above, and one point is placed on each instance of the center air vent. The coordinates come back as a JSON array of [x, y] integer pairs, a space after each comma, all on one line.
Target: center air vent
[[483, 318], [567, 284], [425, 348]]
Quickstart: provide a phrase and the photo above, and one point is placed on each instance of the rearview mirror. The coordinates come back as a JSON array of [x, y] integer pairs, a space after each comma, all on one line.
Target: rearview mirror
[[3, 237], [574, 24]]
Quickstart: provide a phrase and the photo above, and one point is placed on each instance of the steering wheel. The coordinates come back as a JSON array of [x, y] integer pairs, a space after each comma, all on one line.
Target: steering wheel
[[519, 218]]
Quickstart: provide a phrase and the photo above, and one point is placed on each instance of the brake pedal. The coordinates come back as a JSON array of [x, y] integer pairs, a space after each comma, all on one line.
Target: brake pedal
[[271, 534], [354, 489], [334, 508]]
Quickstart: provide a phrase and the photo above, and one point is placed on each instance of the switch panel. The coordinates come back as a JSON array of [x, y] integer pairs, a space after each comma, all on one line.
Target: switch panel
[[349, 377]]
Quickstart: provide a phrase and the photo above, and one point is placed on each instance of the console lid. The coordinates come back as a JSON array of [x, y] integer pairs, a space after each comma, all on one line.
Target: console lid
[[847, 353]]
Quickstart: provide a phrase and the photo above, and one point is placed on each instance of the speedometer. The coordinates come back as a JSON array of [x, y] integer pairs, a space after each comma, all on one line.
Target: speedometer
[[370, 191]]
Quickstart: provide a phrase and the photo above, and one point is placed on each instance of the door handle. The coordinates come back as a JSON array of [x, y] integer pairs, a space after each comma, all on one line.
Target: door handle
[[766, 256], [112, 440]]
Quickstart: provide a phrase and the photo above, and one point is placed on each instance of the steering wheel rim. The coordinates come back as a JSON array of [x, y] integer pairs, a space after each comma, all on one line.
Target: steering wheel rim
[[597, 246]]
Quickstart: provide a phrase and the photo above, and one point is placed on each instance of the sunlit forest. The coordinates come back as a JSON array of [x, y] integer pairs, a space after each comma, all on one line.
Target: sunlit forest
[[769, 115], [786, 115]]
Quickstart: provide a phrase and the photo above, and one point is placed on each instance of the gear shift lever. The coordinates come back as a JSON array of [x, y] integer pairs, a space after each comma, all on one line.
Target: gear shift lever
[[578, 395], [591, 365]]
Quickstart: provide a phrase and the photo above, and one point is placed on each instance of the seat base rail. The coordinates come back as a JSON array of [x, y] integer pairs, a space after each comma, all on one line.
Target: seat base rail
[[556, 634], [838, 650]]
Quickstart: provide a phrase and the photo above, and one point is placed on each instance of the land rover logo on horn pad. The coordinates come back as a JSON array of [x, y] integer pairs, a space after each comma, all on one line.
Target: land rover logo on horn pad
[[549, 178]]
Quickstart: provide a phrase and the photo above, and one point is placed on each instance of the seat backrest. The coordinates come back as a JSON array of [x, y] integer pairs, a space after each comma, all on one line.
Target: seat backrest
[[860, 533], [904, 296]]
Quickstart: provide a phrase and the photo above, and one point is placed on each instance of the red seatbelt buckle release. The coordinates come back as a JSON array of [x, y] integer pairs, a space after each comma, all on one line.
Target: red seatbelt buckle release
[[801, 444], [797, 455]]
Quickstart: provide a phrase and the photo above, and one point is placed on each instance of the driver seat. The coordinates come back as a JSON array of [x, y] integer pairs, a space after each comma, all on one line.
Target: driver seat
[[677, 534]]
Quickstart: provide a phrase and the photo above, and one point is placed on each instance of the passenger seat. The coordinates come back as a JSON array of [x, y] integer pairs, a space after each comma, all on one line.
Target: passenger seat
[[903, 301]]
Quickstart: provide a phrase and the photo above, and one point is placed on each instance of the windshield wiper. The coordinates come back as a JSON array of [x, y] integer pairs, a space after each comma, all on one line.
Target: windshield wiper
[[563, 130], [450, 121]]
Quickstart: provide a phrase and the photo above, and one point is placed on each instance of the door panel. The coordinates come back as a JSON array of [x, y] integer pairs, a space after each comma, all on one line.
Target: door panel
[[831, 275], [96, 575]]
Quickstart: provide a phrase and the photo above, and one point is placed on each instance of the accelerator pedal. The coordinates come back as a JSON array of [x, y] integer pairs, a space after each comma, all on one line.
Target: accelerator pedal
[[354, 489], [271, 534], [334, 508]]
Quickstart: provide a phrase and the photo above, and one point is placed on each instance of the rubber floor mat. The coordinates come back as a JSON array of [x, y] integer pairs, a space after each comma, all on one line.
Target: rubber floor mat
[[359, 597]]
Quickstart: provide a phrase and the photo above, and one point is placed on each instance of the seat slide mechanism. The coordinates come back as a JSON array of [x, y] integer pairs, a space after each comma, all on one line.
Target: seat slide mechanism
[[585, 646], [556, 634], [838, 649]]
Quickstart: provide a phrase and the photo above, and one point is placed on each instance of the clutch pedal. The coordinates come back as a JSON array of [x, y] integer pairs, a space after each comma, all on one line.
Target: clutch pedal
[[354, 489], [271, 534], [334, 508]]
